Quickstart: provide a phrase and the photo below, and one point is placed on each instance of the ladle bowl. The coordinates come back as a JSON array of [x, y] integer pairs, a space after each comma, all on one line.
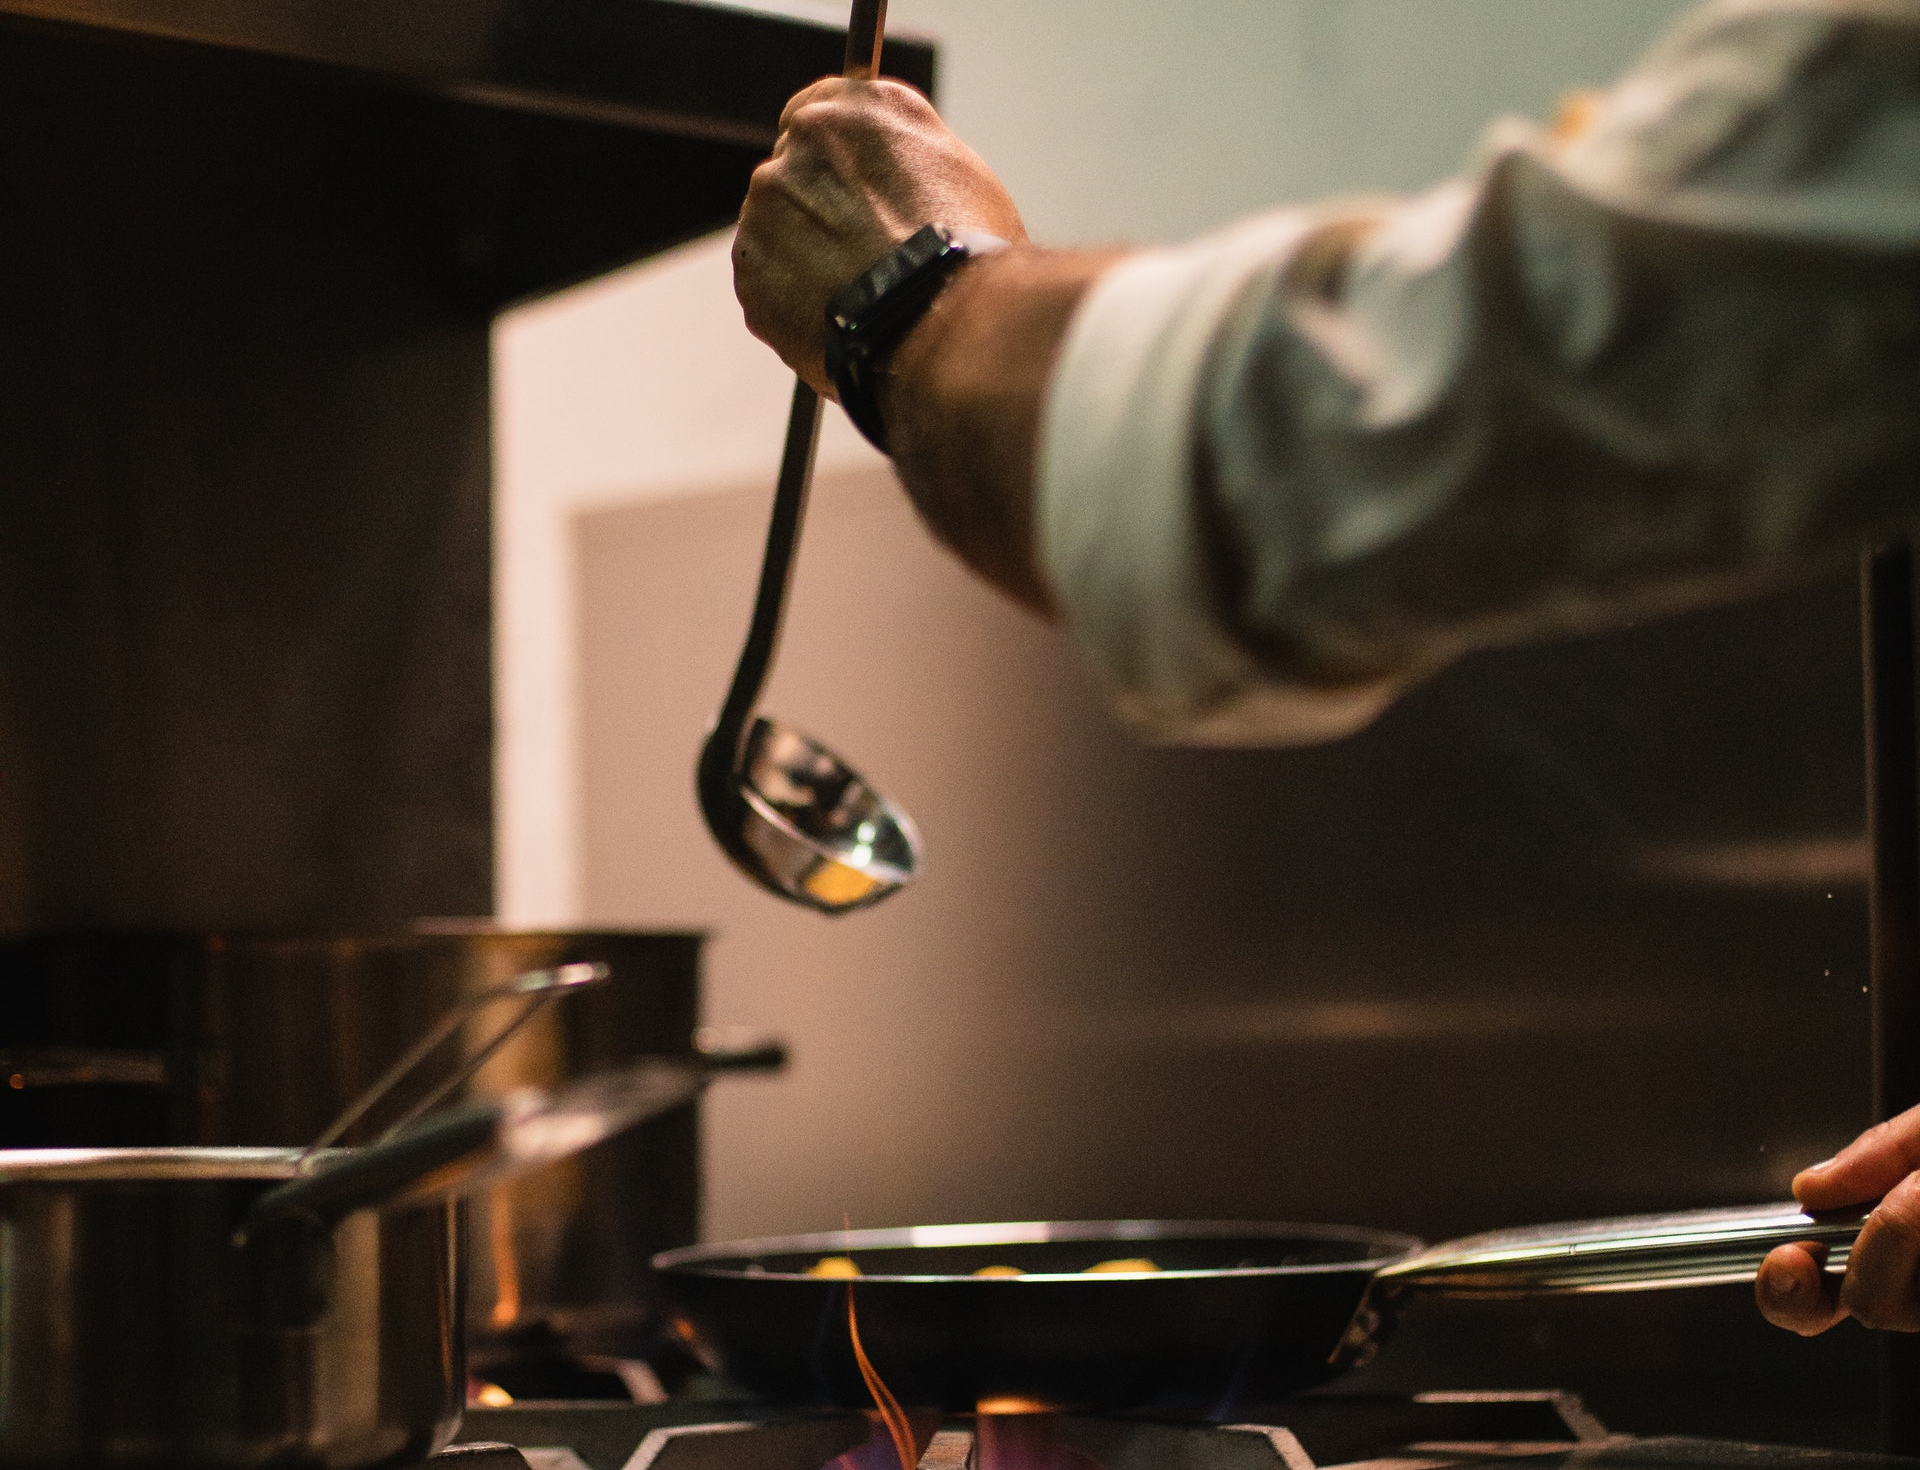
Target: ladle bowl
[[808, 825], [792, 815]]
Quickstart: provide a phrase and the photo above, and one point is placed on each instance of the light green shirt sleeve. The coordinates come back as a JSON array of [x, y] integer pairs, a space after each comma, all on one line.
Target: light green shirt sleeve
[[1294, 467]]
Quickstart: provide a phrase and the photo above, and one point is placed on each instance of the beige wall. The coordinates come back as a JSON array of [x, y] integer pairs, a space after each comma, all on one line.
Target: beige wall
[[1398, 980]]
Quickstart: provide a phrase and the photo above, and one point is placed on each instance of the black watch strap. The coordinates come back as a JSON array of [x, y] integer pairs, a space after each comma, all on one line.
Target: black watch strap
[[867, 319]]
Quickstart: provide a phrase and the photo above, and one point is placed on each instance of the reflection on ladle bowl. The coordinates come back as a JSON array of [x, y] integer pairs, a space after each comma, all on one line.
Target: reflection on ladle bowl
[[815, 826]]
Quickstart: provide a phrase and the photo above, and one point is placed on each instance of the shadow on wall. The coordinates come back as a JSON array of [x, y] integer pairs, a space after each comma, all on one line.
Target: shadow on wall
[[1446, 975]]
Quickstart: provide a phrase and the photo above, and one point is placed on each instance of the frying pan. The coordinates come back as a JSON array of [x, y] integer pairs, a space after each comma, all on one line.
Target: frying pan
[[1236, 1313]]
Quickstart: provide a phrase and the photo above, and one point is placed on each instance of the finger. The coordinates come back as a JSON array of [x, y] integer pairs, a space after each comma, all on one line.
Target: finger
[[1865, 1169], [898, 97], [824, 90], [840, 104], [1879, 1284], [1793, 1290]]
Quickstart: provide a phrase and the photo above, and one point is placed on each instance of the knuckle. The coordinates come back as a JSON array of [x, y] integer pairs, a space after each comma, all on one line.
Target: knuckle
[[1882, 1303], [826, 86], [811, 121], [1899, 1137], [1880, 1315], [904, 98], [1899, 1213], [763, 181], [1884, 1136]]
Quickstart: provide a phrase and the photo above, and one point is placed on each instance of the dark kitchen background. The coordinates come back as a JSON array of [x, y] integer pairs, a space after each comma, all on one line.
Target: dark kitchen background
[[1574, 930]]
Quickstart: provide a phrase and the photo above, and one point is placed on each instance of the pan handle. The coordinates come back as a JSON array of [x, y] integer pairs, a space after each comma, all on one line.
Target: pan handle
[[734, 1051], [1632, 1253]]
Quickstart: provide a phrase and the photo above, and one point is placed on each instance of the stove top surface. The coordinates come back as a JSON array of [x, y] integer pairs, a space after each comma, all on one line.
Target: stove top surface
[[1441, 1431]]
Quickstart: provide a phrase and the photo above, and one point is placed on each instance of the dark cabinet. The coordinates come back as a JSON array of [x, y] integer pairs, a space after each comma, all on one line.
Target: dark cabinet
[[249, 252]]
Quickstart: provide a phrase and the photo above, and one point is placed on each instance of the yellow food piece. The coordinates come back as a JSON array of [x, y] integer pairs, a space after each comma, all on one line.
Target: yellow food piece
[[836, 883], [999, 1271], [837, 1268], [1125, 1263], [492, 1396]]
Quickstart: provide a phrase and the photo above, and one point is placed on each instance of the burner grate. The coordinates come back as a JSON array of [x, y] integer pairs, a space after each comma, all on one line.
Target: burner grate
[[1427, 1432]]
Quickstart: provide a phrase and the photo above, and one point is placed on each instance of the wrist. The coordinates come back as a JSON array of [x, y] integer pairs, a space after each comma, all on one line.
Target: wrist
[[868, 319], [963, 397]]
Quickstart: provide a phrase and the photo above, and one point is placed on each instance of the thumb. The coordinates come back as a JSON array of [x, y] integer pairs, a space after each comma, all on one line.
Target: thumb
[[1865, 1169]]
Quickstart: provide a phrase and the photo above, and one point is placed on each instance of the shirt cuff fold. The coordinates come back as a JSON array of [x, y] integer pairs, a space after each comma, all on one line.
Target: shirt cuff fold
[[1120, 534]]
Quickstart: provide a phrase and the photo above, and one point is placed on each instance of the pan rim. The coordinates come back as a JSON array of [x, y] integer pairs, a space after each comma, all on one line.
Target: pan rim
[[1381, 1248]]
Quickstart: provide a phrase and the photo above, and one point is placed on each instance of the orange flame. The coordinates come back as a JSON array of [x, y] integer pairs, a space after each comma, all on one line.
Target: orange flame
[[506, 1265], [898, 1429]]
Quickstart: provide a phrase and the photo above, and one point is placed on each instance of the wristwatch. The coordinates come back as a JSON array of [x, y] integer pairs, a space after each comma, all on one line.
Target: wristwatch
[[867, 319]]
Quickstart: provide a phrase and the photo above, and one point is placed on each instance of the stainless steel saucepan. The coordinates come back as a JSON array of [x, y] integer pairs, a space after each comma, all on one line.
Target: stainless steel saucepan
[[229, 1308], [212, 1040], [1228, 1313]]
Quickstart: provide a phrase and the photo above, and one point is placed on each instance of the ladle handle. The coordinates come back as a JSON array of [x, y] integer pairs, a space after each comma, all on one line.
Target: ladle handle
[[1633, 1253], [776, 573], [866, 32]]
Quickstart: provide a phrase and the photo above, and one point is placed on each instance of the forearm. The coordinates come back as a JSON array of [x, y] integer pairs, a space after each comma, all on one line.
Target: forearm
[[963, 399]]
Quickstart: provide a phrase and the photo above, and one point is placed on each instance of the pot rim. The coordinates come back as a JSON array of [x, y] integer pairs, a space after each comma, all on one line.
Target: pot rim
[[76, 1165]]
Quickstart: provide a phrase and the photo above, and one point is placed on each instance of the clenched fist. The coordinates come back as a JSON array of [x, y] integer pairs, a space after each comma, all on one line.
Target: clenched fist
[[859, 166]]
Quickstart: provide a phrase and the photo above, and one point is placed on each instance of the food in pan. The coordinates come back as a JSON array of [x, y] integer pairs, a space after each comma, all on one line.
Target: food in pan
[[845, 1268]]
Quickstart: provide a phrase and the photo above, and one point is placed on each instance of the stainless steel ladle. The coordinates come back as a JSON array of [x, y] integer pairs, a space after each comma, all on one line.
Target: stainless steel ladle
[[791, 814]]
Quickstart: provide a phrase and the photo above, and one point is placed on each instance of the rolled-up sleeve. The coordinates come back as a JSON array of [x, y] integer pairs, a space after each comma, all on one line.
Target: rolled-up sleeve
[[1289, 469]]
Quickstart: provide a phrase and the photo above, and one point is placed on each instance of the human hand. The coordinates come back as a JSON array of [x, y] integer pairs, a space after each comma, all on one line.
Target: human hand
[[859, 166], [1879, 1287]]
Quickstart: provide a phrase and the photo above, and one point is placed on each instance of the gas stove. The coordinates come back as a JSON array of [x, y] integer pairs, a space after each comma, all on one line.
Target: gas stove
[[1430, 1431]]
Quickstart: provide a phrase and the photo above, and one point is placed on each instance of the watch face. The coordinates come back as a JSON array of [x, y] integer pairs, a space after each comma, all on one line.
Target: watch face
[[921, 261], [870, 316]]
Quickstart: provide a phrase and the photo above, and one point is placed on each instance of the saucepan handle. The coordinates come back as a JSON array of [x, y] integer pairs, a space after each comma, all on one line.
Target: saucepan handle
[[739, 1052], [1632, 1253], [457, 1150]]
